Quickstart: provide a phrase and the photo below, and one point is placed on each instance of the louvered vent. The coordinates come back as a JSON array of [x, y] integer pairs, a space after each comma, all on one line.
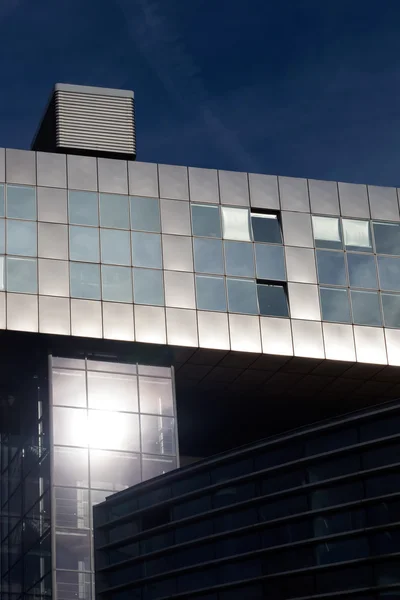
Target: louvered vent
[[89, 121]]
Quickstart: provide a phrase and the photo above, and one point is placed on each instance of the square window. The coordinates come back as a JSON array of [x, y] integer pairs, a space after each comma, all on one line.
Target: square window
[[113, 431], [21, 202], [272, 300], [116, 283], [156, 396], [206, 221], [331, 268], [2, 207], [84, 244], [145, 214], [236, 224], [362, 270], [112, 390], [83, 208], [208, 256], [270, 262], [22, 275], [327, 233], [357, 235], [387, 238], [148, 287], [115, 247], [210, 293], [21, 238], [242, 296], [389, 273], [85, 280], [114, 211], [366, 308], [335, 305], [239, 259], [266, 228], [158, 435], [391, 309], [146, 250]]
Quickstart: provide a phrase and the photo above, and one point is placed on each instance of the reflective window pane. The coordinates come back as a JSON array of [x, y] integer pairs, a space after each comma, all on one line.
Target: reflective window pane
[[115, 247], [270, 262], [391, 309], [113, 471], [71, 466], [21, 238], [389, 273], [272, 300], [335, 305], [114, 391], [146, 250], [73, 550], [236, 224], [357, 235], [158, 435], [116, 283], [69, 387], [327, 233], [362, 270], [2, 273], [148, 287], [156, 396], [21, 202], [71, 508], [387, 238], [114, 211], [239, 259], [2, 236], [152, 466], [22, 275], [331, 268], [145, 214], [2, 204], [266, 228], [84, 244], [113, 431], [366, 308], [70, 426], [85, 281], [242, 296], [208, 256], [83, 208], [210, 293], [206, 221]]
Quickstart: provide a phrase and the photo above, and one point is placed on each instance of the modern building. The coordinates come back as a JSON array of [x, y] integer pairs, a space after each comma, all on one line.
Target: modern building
[[140, 300]]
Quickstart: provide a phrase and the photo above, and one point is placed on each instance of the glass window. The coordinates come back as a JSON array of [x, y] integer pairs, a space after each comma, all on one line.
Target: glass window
[[69, 387], [114, 211], [21, 202], [72, 550], [389, 273], [2, 237], [239, 259], [71, 508], [113, 471], [272, 300], [270, 262], [357, 235], [146, 250], [148, 287], [266, 228], [335, 305], [112, 390], [115, 247], [210, 293], [158, 434], [327, 233], [366, 308], [387, 238], [208, 256], [145, 214], [2, 273], [116, 283], [83, 208], [236, 224], [71, 466], [113, 431], [85, 281], [242, 297], [2, 206], [84, 244], [22, 275], [331, 268], [156, 396], [70, 426], [206, 221], [152, 466], [21, 238], [362, 270], [391, 309]]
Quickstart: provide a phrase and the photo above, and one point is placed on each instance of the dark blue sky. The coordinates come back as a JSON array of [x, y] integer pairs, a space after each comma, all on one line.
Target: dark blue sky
[[293, 87]]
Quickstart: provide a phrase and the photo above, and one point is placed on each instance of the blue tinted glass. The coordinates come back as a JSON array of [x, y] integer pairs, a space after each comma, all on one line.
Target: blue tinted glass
[[391, 309], [239, 259], [114, 211], [272, 300], [331, 268], [366, 308], [389, 273], [83, 208], [387, 238], [208, 256], [115, 247], [327, 232], [206, 221], [84, 244], [2, 273], [266, 228], [2, 236], [362, 270], [22, 275], [21, 238], [242, 296], [357, 235], [145, 214], [148, 287], [146, 250], [2, 207], [85, 280], [210, 293], [270, 262], [335, 305], [116, 283], [21, 202]]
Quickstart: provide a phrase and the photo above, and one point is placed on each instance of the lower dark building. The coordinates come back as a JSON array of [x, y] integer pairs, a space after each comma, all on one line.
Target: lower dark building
[[314, 513]]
